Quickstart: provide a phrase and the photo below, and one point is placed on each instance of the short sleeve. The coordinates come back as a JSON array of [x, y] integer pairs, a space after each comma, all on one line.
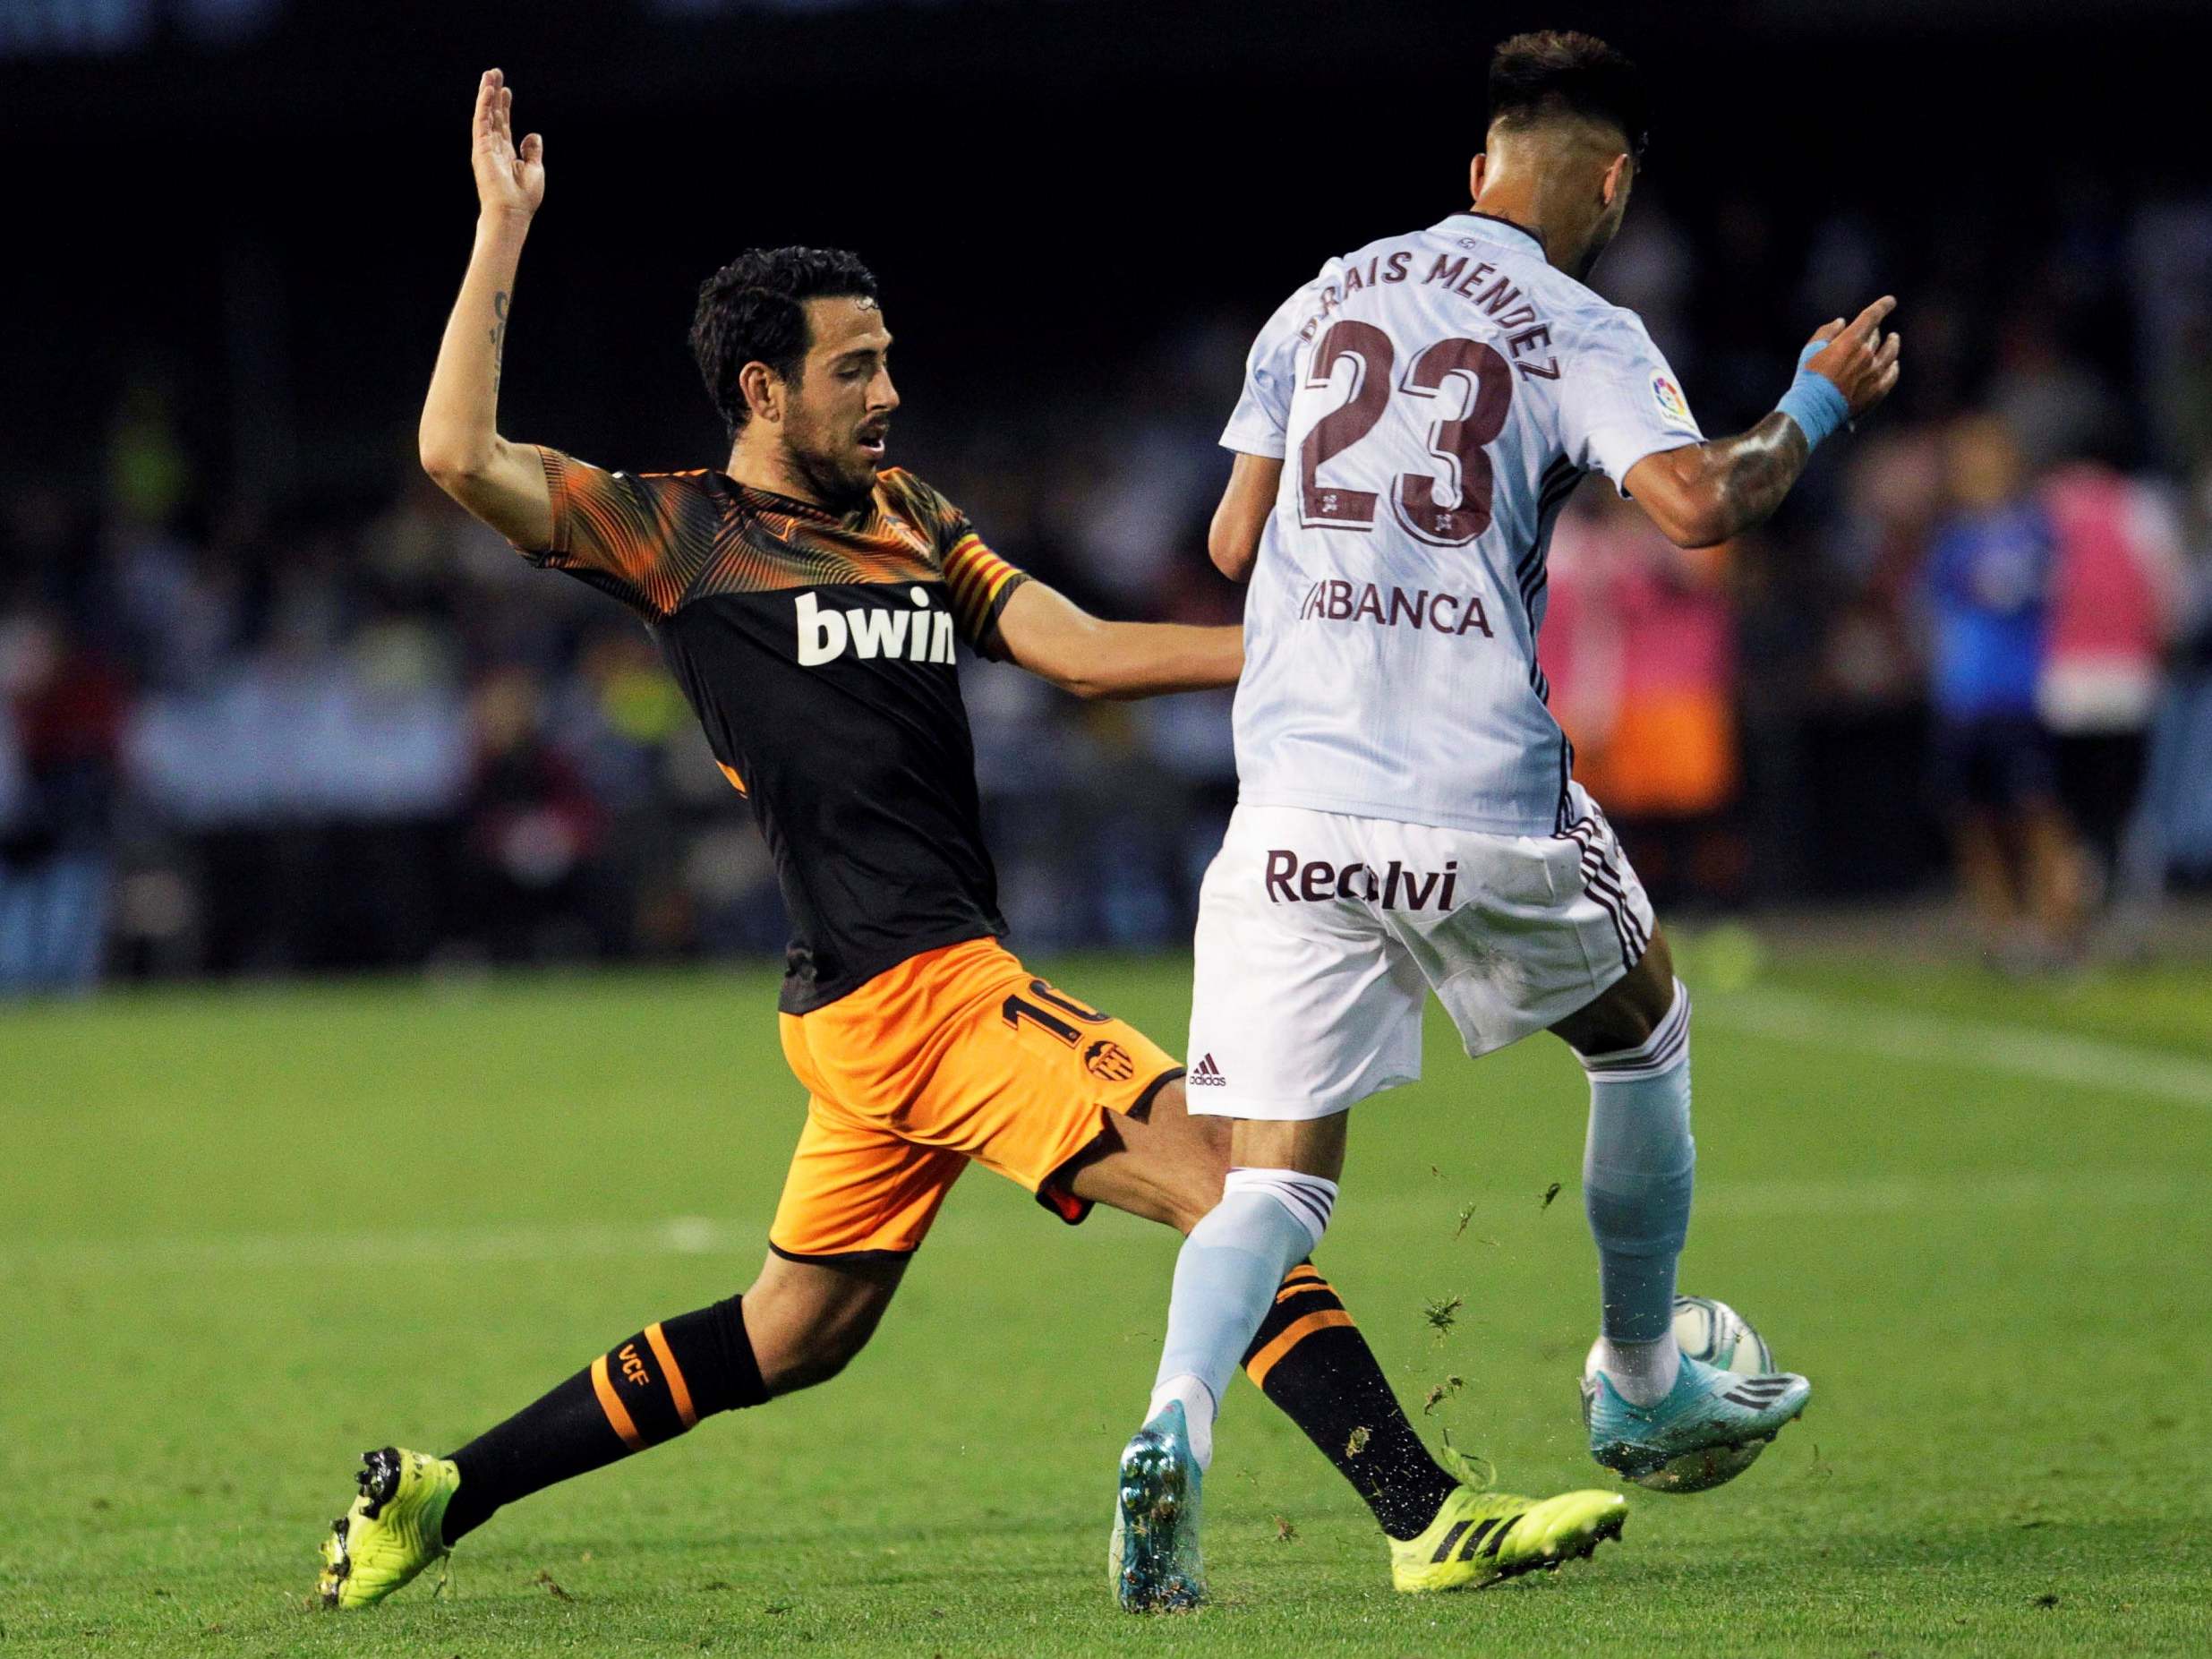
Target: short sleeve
[[980, 582], [1262, 420], [1621, 402], [617, 531]]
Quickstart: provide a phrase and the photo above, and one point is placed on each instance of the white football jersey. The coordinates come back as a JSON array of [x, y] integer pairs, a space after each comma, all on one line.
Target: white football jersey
[[1434, 397]]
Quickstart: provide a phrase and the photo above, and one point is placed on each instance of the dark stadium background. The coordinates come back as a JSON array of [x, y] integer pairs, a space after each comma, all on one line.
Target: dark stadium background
[[238, 225]]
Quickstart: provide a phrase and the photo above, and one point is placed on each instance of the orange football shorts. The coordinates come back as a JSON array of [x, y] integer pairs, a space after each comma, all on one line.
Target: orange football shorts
[[954, 1054]]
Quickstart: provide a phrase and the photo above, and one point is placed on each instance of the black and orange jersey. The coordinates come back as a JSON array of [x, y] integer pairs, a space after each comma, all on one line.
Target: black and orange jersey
[[818, 651]]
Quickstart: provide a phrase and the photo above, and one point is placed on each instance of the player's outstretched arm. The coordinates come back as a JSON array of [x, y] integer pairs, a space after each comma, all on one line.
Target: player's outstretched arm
[[1051, 636], [503, 484], [1233, 540], [1705, 493]]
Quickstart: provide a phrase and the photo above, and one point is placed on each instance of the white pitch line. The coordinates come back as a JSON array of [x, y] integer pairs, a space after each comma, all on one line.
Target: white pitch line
[[1988, 1047], [1873, 1195], [699, 1235], [682, 1236], [2013, 1050], [1970, 1189]]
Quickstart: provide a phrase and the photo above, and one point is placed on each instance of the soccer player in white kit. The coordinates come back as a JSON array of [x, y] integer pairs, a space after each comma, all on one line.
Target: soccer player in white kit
[[1413, 421]]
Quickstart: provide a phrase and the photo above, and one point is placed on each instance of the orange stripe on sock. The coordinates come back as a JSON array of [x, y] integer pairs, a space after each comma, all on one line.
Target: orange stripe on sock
[[677, 1389], [617, 1414], [1263, 1362], [1299, 1282]]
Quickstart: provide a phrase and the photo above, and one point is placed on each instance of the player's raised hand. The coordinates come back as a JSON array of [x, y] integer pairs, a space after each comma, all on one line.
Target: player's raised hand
[[1858, 358], [509, 181]]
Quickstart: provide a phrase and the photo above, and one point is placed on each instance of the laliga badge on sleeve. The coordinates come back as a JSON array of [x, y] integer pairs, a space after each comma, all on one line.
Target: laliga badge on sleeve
[[1673, 409]]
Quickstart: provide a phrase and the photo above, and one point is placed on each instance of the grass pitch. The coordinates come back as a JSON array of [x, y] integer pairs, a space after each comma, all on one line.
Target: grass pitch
[[244, 1234]]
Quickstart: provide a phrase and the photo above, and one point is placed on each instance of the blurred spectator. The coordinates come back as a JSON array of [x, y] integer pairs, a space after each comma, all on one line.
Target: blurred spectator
[[1893, 495], [2174, 831], [148, 474], [2169, 271], [1836, 712], [1639, 647], [2053, 404], [364, 732], [62, 711], [2116, 601], [1988, 586], [620, 720], [532, 828]]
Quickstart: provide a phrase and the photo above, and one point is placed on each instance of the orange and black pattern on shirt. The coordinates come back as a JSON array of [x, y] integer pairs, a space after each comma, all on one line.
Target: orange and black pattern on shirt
[[816, 650], [657, 541]]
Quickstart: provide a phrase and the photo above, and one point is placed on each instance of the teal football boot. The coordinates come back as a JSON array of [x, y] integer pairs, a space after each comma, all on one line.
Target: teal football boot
[[1708, 1429], [1154, 1559]]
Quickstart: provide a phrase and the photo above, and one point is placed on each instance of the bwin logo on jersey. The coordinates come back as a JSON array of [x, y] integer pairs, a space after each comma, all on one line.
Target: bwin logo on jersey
[[920, 636]]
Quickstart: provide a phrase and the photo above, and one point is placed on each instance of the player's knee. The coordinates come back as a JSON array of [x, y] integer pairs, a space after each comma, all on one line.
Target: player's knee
[[816, 1363], [1167, 1166], [1263, 1202], [1178, 1191], [1213, 1135], [1188, 1203], [1642, 1049], [1630, 1011], [805, 1328], [1199, 1173], [813, 1356]]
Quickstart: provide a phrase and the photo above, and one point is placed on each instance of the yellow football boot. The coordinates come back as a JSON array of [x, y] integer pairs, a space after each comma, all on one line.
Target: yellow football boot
[[1480, 1537], [392, 1532]]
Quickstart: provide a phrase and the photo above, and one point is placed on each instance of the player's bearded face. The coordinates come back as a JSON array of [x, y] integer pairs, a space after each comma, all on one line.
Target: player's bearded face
[[837, 419]]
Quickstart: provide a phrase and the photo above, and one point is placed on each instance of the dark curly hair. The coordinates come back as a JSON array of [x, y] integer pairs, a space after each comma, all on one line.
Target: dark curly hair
[[753, 309], [1539, 77]]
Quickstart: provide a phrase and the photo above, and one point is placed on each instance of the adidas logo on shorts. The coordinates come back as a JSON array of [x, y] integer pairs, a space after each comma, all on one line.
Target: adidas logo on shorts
[[1206, 1074]]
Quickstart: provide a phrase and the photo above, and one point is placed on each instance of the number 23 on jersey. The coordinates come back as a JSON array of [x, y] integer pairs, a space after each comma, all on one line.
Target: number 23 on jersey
[[1456, 442]]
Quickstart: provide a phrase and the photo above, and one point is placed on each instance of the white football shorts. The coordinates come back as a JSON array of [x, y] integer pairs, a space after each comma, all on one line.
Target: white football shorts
[[1318, 933]]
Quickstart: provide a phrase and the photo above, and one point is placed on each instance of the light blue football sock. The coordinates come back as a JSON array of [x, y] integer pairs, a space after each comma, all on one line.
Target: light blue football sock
[[1225, 1279], [1638, 1167]]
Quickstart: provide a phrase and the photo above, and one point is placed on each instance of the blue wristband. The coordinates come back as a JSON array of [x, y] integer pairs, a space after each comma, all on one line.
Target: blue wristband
[[1814, 401]]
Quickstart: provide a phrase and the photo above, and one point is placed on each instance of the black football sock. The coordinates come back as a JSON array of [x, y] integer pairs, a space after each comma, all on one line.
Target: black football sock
[[641, 1392], [1311, 1361]]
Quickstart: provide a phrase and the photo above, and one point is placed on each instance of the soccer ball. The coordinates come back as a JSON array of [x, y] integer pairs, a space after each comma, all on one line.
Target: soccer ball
[[1716, 1333]]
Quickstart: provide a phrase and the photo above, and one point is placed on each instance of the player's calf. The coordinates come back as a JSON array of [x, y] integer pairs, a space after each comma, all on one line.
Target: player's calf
[[649, 1388], [1639, 1167], [1229, 1271], [1311, 1361]]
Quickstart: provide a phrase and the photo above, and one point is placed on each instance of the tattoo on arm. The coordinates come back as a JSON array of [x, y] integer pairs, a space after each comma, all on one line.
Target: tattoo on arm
[[1757, 469], [498, 336]]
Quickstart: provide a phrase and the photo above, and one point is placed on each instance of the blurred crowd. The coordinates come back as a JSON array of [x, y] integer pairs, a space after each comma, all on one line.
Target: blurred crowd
[[244, 736]]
